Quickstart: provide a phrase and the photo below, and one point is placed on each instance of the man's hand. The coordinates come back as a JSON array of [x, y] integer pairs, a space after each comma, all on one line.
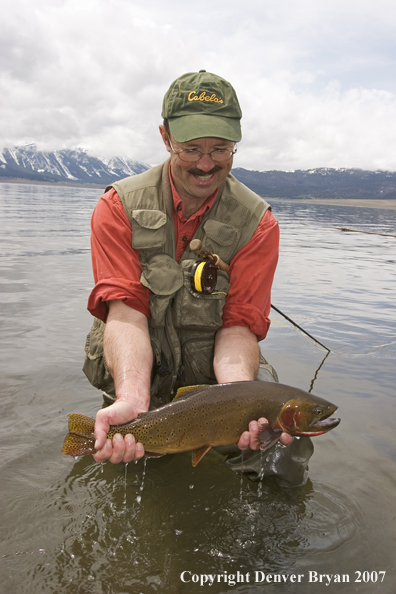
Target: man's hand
[[250, 439], [118, 449]]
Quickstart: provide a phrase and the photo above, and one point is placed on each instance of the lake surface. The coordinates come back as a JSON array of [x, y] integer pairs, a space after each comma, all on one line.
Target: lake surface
[[73, 526]]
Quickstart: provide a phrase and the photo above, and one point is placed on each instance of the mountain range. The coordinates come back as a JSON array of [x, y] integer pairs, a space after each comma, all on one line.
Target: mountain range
[[76, 166], [66, 165]]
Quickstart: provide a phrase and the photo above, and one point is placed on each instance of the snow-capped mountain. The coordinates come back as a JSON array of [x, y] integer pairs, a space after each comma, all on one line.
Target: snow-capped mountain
[[71, 165], [77, 166]]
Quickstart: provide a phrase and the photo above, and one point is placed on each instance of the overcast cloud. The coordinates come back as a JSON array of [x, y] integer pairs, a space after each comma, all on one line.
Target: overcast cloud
[[315, 78]]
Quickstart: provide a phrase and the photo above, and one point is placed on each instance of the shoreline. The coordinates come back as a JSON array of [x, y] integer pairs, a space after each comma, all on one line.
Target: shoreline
[[63, 184], [355, 202], [389, 204]]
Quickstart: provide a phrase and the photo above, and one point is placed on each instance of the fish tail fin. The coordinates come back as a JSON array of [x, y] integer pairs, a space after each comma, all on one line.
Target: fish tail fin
[[81, 439], [81, 424], [79, 444]]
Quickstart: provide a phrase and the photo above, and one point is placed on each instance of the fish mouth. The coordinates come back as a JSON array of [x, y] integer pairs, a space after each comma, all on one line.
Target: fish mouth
[[322, 426]]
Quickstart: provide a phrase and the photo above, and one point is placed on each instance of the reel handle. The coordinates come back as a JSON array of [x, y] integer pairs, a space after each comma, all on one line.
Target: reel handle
[[197, 246]]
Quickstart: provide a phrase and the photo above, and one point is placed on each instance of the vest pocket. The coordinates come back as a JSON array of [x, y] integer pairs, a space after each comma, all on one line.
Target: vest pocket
[[196, 311], [163, 276], [148, 229], [222, 239], [198, 356]]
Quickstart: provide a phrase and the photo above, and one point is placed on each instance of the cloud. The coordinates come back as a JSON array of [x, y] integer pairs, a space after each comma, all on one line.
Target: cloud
[[315, 79]]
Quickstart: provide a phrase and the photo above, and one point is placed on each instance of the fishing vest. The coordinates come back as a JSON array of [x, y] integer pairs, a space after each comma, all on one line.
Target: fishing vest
[[183, 322]]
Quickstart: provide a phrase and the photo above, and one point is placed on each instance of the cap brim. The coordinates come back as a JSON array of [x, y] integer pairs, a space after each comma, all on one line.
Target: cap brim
[[186, 128]]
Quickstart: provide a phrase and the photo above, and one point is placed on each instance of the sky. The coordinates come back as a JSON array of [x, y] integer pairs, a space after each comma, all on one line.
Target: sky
[[316, 79]]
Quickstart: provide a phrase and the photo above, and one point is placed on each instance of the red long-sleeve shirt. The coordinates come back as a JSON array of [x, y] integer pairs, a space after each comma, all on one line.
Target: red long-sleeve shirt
[[117, 268]]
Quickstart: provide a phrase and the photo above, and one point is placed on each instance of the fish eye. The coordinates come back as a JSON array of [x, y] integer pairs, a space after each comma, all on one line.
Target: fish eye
[[318, 411]]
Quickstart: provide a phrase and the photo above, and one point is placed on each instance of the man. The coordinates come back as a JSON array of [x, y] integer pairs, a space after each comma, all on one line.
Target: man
[[159, 331]]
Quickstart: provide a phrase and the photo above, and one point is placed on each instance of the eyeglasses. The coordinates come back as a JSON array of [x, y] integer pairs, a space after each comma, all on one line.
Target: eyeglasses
[[220, 155]]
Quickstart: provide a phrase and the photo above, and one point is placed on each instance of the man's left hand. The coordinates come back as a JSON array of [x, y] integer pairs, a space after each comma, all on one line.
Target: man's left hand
[[250, 438]]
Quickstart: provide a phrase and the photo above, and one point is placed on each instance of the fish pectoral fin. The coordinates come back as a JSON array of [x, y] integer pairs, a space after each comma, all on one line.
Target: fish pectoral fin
[[268, 437], [188, 390], [198, 454]]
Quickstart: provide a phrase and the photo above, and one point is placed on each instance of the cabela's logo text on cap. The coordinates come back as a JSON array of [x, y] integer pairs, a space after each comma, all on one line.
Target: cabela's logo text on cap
[[204, 97]]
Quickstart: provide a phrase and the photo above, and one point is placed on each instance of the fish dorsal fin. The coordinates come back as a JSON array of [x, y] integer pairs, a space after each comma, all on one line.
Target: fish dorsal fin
[[198, 454], [188, 390]]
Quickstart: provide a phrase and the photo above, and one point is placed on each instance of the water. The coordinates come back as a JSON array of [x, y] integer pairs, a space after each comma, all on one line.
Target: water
[[78, 527]]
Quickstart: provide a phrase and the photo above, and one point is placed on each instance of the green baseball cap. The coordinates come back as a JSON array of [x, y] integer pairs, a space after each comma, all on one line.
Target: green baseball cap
[[202, 105]]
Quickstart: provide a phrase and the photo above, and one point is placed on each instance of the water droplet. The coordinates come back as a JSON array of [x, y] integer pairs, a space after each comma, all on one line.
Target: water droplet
[[260, 489], [125, 483]]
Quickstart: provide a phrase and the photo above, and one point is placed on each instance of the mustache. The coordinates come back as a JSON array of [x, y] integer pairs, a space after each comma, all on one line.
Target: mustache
[[196, 171]]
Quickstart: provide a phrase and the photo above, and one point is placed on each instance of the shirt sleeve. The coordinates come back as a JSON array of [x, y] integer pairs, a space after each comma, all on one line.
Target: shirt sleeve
[[116, 265], [252, 272]]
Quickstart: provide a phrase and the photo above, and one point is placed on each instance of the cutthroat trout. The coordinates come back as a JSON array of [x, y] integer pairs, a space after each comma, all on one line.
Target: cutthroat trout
[[200, 417]]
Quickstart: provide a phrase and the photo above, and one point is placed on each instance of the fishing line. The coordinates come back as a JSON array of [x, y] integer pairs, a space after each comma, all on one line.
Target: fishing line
[[317, 371], [310, 337], [297, 332], [299, 327]]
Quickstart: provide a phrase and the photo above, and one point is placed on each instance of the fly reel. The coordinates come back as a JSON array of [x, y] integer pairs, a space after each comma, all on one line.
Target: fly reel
[[203, 276]]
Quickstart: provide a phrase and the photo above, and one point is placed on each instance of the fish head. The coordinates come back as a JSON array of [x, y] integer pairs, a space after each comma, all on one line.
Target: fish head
[[310, 417]]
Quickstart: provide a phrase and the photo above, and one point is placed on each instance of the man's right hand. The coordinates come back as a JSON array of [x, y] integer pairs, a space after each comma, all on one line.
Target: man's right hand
[[118, 449], [129, 357]]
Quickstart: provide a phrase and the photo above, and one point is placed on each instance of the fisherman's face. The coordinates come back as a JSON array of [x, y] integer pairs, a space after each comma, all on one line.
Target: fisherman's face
[[200, 179]]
